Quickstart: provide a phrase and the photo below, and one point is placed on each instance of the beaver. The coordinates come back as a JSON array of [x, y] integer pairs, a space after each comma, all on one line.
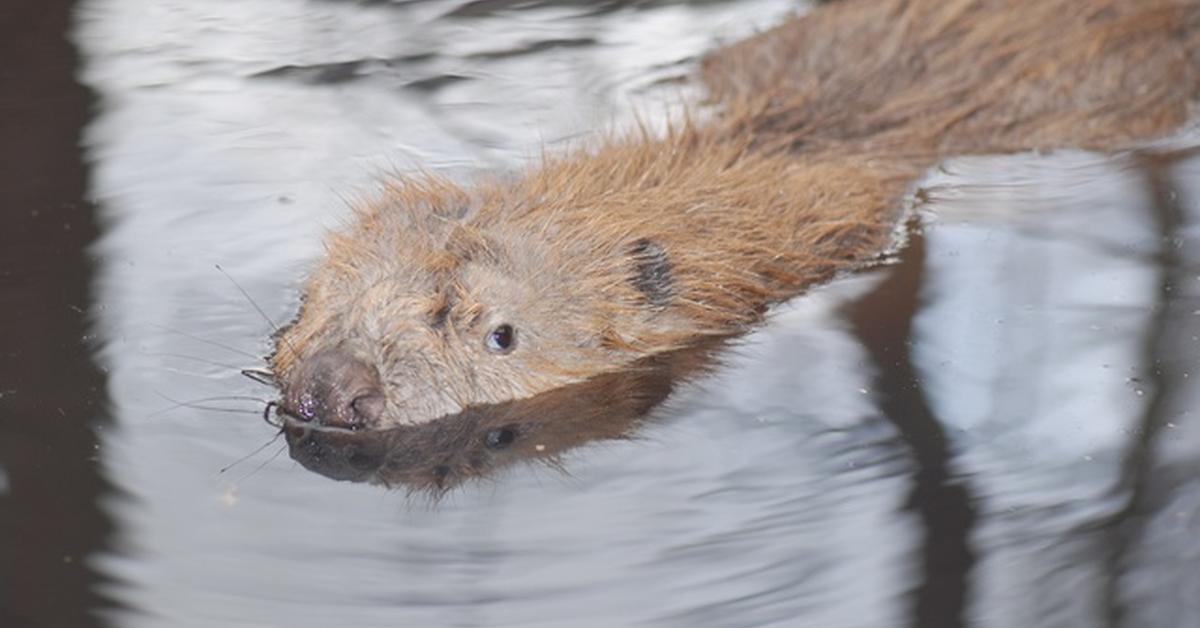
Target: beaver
[[441, 297]]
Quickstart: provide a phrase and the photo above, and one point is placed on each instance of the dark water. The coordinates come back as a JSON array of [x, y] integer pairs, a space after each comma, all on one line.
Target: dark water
[[997, 430]]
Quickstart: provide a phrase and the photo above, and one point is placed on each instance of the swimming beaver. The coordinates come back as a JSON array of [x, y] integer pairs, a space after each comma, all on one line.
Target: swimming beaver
[[442, 298]]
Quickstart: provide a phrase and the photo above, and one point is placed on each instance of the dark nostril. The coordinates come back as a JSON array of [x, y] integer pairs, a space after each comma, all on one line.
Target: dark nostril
[[367, 408]]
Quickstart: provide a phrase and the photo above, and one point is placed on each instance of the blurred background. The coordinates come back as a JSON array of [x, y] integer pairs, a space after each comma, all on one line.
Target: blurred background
[[996, 430]]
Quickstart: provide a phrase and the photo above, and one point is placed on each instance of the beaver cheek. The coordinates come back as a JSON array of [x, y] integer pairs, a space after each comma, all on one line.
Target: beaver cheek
[[334, 388]]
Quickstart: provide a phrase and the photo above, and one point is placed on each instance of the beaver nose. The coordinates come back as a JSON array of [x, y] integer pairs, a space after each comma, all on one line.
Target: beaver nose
[[335, 389]]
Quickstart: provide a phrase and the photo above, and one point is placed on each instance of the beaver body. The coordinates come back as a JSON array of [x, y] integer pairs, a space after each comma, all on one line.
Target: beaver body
[[441, 297]]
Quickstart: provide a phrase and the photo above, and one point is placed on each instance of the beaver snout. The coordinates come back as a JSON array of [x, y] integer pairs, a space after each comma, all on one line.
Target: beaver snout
[[334, 388]]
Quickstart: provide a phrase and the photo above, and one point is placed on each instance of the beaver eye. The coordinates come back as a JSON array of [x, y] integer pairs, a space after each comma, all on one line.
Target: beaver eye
[[502, 339]]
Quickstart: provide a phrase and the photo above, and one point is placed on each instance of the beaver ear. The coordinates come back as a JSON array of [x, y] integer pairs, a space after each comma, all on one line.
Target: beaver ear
[[468, 244], [651, 272]]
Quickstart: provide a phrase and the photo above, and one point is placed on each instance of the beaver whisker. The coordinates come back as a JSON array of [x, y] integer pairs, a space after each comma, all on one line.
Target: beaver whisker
[[264, 463], [207, 341], [261, 375], [251, 454], [210, 409], [266, 415], [184, 356], [254, 304], [229, 398], [197, 404]]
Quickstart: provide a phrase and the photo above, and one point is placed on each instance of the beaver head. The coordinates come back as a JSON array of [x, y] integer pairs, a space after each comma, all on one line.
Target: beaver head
[[437, 300]]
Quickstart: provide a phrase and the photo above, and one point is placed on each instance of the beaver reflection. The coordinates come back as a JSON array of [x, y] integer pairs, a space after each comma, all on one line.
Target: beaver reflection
[[438, 455]]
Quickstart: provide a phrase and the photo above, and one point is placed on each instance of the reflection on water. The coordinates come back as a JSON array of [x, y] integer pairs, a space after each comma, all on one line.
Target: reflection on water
[[996, 430], [442, 454]]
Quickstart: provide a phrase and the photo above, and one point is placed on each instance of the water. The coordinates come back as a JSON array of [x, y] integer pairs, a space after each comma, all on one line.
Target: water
[[997, 430]]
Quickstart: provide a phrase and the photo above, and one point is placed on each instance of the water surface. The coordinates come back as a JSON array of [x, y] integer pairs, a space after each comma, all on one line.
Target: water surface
[[995, 430]]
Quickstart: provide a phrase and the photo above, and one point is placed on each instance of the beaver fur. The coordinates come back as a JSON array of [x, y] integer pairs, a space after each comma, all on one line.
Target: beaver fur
[[448, 296]]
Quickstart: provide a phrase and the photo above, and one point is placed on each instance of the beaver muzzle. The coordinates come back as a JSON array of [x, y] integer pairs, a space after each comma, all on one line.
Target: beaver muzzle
[[334, 388]]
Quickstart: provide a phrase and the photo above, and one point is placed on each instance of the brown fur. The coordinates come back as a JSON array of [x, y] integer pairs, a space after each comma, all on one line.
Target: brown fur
[[647, 244]]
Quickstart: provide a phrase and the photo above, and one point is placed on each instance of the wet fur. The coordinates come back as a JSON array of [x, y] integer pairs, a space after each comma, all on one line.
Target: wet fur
[[648, 243]]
